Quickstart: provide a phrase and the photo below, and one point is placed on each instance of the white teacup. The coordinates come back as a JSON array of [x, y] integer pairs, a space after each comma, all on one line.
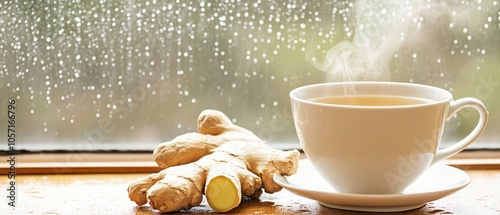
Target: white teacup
[[377, 148]]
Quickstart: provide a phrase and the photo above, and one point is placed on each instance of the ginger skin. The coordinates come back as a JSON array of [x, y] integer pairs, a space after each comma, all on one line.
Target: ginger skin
[[222, 161]]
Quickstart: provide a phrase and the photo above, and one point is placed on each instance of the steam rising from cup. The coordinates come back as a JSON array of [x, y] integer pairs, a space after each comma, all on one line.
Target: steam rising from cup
[[381, 28]]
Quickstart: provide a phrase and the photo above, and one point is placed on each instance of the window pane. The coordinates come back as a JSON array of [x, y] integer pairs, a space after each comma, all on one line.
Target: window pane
[[141, 71]]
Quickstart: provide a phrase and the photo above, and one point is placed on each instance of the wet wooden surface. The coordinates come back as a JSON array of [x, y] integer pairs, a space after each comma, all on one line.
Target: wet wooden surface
[[107, 194]]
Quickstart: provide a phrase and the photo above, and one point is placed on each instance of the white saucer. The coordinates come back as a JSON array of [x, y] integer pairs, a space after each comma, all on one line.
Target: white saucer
[[437, 182]]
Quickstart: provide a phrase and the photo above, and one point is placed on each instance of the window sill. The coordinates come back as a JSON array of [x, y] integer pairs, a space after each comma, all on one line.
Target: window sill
[[73, 163], [54, 180], [80, 163]]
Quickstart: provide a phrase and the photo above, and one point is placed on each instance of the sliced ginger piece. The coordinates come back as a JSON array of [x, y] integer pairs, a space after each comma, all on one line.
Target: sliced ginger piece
[[223, 192]]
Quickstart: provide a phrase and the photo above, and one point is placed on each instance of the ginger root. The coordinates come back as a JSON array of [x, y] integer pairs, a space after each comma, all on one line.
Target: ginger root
[[222, 161]]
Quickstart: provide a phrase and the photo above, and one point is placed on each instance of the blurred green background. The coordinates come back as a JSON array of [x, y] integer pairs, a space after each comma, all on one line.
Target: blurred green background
[[141, 71]]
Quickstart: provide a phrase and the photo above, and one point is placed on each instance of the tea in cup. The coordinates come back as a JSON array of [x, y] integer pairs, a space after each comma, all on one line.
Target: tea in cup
[[380, 139]]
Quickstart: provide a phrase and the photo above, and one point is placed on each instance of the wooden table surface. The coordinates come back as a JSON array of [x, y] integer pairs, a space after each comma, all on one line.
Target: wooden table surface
[[107, 194]]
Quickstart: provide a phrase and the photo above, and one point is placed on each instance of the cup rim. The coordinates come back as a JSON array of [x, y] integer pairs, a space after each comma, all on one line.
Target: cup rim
[[442, 95]]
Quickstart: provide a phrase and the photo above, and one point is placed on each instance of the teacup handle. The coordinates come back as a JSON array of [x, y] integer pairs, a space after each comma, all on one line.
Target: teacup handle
[[455, 106]]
